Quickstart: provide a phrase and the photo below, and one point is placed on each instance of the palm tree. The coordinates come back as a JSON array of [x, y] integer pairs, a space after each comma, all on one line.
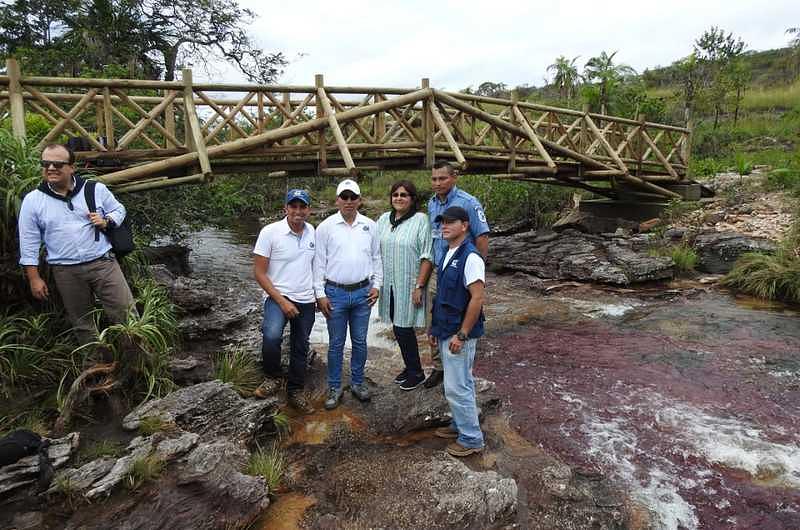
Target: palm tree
[[795, 43], [567, 76], [607, 74]]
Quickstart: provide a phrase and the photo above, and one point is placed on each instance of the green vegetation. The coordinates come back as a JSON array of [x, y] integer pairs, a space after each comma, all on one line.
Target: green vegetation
[[239, 368], [144, 470], [282, 423], [150, 425], [100, 449], [683, 256], [269, 464]]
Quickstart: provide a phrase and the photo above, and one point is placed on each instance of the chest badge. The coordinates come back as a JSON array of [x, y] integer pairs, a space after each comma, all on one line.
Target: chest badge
[[365, 228]]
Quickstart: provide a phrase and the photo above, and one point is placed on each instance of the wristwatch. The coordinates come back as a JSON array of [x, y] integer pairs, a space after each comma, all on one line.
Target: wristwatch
[[460, 335], [418, 286]]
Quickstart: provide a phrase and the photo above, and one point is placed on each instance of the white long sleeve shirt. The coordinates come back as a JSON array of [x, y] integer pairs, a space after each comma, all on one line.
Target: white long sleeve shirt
[[347, 253]]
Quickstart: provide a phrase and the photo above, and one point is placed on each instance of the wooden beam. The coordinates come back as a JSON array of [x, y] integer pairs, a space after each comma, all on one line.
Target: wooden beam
[[337, 131], [145, 121], [198, 145], [427, 127], [67, 118], [130, 124], [319, 82], [160, 183], [147, 115], [600, 138], [660, 156], [532, 136], [15, 97], [437, 118], [109, 118]]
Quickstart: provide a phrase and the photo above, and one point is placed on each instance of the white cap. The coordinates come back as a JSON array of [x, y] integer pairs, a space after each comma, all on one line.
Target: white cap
[[348, 185]]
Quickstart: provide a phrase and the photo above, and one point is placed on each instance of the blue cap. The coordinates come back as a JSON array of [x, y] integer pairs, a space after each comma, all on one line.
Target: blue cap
[[301, 195]]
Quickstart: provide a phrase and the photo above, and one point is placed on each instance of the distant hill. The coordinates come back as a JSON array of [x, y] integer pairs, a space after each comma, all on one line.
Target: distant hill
[[770, 67]]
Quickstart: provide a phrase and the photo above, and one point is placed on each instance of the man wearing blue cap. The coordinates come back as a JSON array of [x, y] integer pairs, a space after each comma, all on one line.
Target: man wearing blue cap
[[283, 267]]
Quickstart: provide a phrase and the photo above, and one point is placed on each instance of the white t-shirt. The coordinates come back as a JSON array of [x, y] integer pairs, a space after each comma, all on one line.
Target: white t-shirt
[[291, 259], [474, 269]]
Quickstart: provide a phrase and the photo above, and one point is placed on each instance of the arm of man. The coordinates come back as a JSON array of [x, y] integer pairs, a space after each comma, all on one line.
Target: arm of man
[[482, 244], [260, 268], [112, 208], [30, 241], [320, 264], [479, 228], [377, 264]]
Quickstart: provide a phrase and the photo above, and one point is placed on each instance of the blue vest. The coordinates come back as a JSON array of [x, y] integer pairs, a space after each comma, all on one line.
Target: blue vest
[[452, 298]]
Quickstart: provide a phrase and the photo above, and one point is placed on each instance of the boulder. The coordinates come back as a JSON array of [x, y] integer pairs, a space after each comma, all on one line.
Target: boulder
[[25, 472], [174, 257], [190, 294], [718, 251], [209, 409], [573, 255]]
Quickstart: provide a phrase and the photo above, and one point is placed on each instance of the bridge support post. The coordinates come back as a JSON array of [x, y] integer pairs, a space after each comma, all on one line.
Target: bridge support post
[[108, 119], [194, 134], [427, 125], [686, 148], [639, 145], [16, 101], [319, 82], [512, 157]]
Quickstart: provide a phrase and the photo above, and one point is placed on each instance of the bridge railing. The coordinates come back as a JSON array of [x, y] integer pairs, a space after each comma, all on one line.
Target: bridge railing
[[142, 134]]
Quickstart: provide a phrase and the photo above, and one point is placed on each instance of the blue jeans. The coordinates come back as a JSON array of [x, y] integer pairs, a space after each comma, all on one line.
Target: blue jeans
[[459, 389], [348, 308], [272, 333]]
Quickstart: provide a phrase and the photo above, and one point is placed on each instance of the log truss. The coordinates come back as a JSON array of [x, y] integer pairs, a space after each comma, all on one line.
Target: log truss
[[140, 135]]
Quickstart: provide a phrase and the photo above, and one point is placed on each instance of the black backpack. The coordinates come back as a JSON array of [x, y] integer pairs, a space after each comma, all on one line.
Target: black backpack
[[120, 237]]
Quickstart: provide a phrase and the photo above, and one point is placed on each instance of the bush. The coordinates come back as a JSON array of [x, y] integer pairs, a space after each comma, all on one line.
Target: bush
[[238, 368]]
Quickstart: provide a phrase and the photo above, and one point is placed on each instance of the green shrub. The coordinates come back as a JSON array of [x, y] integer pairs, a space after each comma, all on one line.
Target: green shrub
[[269, 464], [705, 167], [239, 368], [772, 277]]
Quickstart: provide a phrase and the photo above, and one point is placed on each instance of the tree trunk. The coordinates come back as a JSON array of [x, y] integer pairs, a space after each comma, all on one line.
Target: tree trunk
[[738, 102], [170, 58]]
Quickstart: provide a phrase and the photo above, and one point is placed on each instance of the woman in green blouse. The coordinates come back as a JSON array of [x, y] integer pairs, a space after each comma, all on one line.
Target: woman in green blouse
[[406, 249]]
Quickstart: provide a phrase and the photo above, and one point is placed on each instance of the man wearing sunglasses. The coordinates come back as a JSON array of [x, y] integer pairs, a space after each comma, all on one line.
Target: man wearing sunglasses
[[347, 278], [83, 266]]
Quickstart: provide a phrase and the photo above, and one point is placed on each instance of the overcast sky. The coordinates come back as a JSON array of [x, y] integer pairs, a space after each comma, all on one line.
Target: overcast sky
[[466, 42]]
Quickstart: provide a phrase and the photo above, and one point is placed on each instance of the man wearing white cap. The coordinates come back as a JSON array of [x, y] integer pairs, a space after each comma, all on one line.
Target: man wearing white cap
[[347, 277], [283, 267]]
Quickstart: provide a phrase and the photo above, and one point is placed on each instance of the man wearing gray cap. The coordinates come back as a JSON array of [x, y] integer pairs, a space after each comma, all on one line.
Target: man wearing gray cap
[[456, 324], [283, 267], [347, 278]]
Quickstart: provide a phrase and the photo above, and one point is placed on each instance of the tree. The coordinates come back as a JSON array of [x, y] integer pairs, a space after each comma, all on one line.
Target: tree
[[566, 76], [795, 43], [152, 37], [716, 52], [490, 89], [607, 74]]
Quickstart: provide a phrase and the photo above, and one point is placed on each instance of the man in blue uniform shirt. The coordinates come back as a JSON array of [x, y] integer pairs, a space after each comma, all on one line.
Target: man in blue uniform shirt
[[83, 265], [446, 194]]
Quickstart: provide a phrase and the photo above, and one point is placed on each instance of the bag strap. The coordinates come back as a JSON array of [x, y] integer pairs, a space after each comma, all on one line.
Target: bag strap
[[91, 203]]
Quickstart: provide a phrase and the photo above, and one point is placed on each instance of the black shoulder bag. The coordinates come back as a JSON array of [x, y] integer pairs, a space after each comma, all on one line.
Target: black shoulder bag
[[120, 236]]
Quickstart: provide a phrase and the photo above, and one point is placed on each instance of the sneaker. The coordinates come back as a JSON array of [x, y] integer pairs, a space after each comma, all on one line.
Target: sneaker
[[298, 402], [456, 449], [447, 432], [401, 377], [412, 382], [436, 377], [361, 392], [333, 399]]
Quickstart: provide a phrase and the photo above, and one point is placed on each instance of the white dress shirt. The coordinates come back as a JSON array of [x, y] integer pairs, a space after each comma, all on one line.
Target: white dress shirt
[[347, 253]]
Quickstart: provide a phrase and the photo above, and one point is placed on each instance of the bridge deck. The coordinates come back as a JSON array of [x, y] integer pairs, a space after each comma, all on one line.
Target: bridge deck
[[147, 134]]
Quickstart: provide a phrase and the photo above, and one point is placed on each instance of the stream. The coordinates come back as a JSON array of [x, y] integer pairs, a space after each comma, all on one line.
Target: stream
[[685, 395]]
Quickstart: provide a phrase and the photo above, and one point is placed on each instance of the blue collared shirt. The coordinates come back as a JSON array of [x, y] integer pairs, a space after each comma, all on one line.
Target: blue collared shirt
[[68, 235], [477, 219]]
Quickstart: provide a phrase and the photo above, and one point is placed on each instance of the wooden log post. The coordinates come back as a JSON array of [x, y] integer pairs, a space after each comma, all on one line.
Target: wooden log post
[[512, 156], [686, 147], [533, 137], [448, 136], [15, 97], [584, 140], [108, 112], [341, 143], [379, 122], [319, 82], [194, 135], [169, 125], [638, 148], [427, 126]]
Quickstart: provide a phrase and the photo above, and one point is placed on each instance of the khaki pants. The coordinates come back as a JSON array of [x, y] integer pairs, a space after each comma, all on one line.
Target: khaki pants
[[80, 284], [436, 359]]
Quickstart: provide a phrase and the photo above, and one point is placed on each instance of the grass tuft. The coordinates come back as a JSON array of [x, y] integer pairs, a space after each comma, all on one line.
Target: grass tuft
[[771, 277], [143, 470], [282, 423], [269, 464], [683, 256], [150, 425], [238, 368]]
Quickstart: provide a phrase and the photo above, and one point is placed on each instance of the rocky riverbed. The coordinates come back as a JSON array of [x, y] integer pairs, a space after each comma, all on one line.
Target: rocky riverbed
[[607, 403]]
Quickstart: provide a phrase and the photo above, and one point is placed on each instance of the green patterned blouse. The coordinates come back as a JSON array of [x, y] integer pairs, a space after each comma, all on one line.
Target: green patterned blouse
[[402, 250]]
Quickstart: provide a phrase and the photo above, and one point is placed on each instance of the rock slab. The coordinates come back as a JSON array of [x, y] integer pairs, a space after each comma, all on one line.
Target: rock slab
[[717, 252]]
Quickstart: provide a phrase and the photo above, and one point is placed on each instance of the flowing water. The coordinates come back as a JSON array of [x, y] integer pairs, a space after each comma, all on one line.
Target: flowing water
[[689, 398]]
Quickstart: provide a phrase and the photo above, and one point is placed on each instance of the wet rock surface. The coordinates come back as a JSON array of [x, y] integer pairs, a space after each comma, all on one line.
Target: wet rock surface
[[25, 472], [574, 255], [190, 294]]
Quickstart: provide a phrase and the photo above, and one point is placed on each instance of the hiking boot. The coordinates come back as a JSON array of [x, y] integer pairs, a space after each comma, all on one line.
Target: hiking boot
[[282, 373], [333, 399], [436, 377], [456, 449], [401, 377], [269, 387], [447, 432], [412, 382], [361, 392], [298, 402]]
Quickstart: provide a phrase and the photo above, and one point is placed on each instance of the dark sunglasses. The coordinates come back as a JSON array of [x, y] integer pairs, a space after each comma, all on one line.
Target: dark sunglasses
[[401, 194], [348, 196], [55, 163]]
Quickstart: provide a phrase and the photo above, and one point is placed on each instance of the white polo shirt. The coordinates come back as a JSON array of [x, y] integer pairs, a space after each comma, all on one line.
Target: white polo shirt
[[291, 259], [347, 253]]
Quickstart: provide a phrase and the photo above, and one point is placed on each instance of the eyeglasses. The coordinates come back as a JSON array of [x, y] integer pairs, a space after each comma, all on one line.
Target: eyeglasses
[[401, 195], [348, 196], [58, 164]]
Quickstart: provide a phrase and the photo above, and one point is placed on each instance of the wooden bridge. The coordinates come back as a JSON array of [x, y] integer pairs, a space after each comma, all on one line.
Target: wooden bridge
[[141, 135]]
